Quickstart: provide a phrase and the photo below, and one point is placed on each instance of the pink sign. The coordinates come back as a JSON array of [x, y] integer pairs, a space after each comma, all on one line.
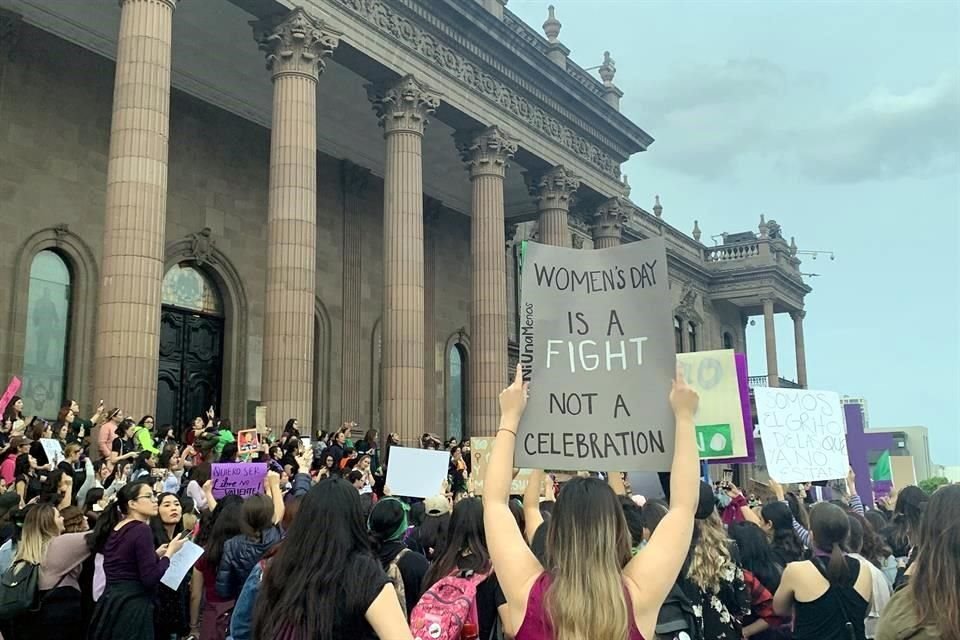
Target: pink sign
[[243, 479], [11, 391]]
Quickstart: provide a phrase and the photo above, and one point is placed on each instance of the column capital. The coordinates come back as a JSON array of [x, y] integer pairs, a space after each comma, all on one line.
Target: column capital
[[798, 316], [403, 105], [552, 188], [609, 218], [485, 151], [170, 3], [768, 299], [295, 43]]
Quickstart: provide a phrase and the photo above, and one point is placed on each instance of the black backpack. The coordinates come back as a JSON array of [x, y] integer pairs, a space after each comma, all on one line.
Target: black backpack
[[677, 620], [18, 589]]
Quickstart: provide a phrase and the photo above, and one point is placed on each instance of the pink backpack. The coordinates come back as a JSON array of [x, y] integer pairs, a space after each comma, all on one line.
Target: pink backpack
[[446, 607]]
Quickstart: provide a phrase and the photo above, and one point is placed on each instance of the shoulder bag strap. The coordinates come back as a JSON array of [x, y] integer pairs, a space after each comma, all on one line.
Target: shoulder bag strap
[[848, 625]]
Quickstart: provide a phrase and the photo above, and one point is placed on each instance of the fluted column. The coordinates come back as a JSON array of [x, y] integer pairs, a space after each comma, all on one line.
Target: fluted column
[[486, 153], [799, 346], [128, 311], [354, 180], [402, 109], [553, 190], [296, 45], [608, 223], [773, 376]]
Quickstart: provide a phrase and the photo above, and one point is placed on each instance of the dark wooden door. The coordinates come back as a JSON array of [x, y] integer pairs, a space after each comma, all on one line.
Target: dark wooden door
[[191, 366]]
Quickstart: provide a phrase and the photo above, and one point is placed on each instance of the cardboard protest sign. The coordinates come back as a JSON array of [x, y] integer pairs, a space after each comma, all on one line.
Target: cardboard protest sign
[[238, 478], [903, 471], [802, 434], [11, 391], [719, 421], [260, 419], [248, 440], [596, 336], [480, 450], [417, 473]]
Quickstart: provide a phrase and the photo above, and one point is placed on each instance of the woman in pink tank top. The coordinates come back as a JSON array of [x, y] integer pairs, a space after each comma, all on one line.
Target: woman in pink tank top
[[592, 589]]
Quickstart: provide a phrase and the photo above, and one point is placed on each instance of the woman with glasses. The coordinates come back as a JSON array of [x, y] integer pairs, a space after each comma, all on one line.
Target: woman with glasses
[[131, 564]]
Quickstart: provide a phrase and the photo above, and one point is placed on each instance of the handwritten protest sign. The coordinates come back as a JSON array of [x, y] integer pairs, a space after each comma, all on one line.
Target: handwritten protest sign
[[260, 419], [53, 449], [480, 450], [238, 478], [417, 473], [719, 420], [11, 391], [180, 564], [802, 434], [596, 336], [248, 440]]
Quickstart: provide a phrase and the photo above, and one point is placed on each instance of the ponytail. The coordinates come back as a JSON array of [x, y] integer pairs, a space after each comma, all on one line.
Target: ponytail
[[109, 519], [837, 570]]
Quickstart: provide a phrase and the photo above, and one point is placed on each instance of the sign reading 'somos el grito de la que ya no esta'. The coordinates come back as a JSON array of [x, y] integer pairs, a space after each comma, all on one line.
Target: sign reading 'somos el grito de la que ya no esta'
[[596, 340]]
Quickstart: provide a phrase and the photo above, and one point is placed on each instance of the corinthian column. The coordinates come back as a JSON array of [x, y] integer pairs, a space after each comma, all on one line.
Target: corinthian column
[[128, 313], [801, 351], [486, 154], [552, 191], [608, 224], [402, 109], [296, 45]]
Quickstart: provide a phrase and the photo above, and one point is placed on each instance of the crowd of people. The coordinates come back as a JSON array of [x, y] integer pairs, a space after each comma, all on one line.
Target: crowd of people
[[327, 552]]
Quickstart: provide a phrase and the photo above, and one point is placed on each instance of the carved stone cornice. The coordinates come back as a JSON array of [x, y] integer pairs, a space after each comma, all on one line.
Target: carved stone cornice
[[11, 25], [485, 152], [295, 44], [404, 105], [353, 177], [575, 221], [427, 36], [510, 233], [576, 241], [609, 218], [553, 188]]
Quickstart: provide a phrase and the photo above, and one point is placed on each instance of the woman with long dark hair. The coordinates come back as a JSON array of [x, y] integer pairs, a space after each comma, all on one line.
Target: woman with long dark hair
[[928, 607], [132, 565], [27, 481], [172, 617], [212, 622], [829, 594], [589, 585], [761, 572], [342, 592], [13, 415], [466, 552], [387, 525], [784, 542]]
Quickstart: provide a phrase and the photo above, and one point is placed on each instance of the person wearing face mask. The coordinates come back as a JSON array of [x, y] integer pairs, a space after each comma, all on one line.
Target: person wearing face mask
[[132, 565], [60, 557]]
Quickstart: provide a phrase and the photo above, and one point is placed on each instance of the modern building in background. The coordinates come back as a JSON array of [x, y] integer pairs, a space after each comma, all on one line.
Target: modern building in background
[[913, 442], [332, 236]]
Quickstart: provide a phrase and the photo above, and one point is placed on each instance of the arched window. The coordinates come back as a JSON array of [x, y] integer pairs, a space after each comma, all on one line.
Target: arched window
[[727, 340], [692, 336], [678, 333], [456, 391], [48, 325], [189, 288]]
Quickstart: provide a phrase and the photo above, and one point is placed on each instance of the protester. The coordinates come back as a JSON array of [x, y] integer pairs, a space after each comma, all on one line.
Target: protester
[[131, 564], [368, 446], [457, 472], [13, 416], [387, 525], [104, 435], [591, 589], [40, 429], [27, 481], [465, 554], [172, 613], [212, 621], [761, 573], [98, 475], [199, 476], [430, 538], [880, 588], [123, 447], [829, 594], [777, 521], [8, 459], [928, 607], [340, 593]]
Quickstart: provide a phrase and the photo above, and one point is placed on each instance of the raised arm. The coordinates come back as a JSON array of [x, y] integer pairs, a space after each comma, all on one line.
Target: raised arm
[[516, 566], [531, 505], [273, 488], [655, 568]]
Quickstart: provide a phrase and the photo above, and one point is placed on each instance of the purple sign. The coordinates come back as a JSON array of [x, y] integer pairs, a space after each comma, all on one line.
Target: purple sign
[[741, 360], [859, 445], [238, 478]]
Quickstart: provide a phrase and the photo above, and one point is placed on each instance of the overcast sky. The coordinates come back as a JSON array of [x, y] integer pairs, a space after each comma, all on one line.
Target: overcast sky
[[841, 120]]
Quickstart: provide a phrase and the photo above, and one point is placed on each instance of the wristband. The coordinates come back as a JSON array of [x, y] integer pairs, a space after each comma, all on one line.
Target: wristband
[[508, 431]]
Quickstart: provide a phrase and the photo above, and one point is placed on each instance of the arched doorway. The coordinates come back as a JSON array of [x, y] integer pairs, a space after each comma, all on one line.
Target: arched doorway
[[191, 346]]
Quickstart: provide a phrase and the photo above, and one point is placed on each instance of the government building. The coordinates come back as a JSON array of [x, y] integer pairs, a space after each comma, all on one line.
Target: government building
[[317, 206]]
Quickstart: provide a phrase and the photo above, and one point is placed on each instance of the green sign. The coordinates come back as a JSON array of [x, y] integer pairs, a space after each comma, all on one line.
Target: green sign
[[714, 440]]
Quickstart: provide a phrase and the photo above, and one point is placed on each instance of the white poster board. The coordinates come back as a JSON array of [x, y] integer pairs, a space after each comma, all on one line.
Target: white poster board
[[417, 473], [719, 419], [803, 434], [53, 450], [180, 564]]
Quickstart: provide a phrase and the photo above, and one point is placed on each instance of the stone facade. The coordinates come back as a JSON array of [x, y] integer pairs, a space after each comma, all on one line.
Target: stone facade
[[307, 249]]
